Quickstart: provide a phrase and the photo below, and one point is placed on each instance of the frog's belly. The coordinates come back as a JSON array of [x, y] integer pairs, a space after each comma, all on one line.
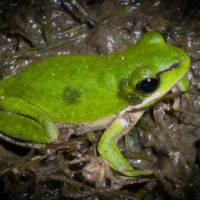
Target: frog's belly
[[85, 127]]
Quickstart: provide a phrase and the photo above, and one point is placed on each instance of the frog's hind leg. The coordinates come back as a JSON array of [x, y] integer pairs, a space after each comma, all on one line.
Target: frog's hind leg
[[25, 122]]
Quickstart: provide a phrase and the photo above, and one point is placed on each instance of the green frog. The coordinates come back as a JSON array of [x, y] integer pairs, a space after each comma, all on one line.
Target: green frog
[[97, 92]]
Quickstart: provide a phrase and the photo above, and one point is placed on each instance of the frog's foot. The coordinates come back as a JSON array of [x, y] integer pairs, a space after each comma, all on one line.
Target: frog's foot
[[25, 122], [67, 129]]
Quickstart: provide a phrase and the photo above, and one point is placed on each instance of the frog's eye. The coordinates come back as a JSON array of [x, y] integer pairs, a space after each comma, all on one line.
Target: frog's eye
[[148, 85]]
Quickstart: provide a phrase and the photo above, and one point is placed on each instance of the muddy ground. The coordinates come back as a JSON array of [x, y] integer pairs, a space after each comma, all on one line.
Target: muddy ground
[[166, 141]]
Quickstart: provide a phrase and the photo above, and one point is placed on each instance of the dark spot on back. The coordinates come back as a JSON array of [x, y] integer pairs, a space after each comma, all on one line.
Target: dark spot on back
[[71, 96]]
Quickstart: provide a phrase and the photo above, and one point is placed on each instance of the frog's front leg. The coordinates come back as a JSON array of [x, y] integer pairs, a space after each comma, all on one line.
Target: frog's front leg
[[108, 149], [22, 121]]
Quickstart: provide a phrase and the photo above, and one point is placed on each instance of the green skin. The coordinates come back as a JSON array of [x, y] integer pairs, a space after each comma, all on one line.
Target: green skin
[[89, 90]]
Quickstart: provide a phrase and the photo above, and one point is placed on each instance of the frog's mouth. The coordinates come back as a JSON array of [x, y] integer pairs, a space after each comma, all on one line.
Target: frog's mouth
[[145, 103]]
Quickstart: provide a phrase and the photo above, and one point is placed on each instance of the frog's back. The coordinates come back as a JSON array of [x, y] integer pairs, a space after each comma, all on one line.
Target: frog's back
[[69, 88]]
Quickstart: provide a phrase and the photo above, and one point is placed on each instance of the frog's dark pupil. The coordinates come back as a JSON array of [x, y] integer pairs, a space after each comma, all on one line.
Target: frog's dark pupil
[[148, 85]]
